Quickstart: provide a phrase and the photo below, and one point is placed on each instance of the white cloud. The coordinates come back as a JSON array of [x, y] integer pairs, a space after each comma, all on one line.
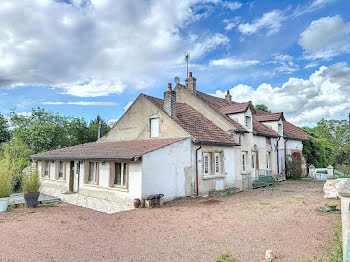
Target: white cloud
[[325, 38], [112, 122], [304, 101], [232, 5], [285, 64], [232, 63], [232, 23], [126, 107], [271, 21], [82, 103], [95, 48]]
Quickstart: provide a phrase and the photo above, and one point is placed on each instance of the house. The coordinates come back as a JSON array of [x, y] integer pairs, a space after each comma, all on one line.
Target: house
[[187, 144]]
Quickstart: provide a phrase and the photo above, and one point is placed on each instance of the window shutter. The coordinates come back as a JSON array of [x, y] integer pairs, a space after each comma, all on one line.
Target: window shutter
[[86, 171], [111, 173], [43, 168]]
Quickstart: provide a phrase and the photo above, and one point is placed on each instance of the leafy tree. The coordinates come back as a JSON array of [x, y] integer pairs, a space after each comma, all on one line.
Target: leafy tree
[[263, 107], [93, 128], [4, 129]]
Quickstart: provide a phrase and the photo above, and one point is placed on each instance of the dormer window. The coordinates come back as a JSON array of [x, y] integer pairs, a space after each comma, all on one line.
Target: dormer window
[[280, 131], [248, 122], [154, 123]]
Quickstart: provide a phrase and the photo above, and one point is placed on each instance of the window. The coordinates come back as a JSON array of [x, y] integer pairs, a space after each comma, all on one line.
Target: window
[[47, 168], [253, 160], [60, 170], [120, 178], [154, 122], [206, 162], [280, 129], [217, 163], [244, 160], [93, 172], [268, 155], [268, 140], [248, 122]]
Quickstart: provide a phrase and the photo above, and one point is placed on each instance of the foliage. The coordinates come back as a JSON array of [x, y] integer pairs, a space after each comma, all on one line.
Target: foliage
[[44, 130], [4, 129], [226, 258], [263, 107], [6, 179], [294, 169], [344, 169], [31, 182]]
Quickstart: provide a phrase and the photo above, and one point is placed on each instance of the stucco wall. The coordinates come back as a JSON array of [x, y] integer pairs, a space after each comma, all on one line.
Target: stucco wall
[[135, 123], [58, 184], [165, 170]]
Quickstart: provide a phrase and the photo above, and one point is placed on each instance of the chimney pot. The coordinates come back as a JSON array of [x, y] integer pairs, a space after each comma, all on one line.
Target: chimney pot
[[190, 74], [169, 86], [99, 131], [190, 83], [228, 97]]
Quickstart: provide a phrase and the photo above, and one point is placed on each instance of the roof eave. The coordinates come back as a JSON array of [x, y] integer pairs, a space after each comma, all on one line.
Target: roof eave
[[97, 159]]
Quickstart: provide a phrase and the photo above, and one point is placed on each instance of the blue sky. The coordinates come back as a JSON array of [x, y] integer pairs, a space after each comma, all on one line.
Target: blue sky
[[85, 58]]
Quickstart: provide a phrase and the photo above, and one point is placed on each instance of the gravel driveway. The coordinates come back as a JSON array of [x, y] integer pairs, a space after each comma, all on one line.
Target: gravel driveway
[[281, 218]]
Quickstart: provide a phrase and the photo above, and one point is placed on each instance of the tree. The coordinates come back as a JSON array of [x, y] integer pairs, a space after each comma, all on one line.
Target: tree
[[263, 107], [4, 129]]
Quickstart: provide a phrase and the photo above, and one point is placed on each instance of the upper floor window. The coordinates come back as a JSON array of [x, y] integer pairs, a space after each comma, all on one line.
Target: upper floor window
[[206, 163], [248, 122], [280, 131], [268, 140], [154, 123]]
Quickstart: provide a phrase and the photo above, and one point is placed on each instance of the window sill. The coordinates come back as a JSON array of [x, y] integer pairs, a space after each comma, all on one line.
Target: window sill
[[213, 176], [108, 188], [245, 172]]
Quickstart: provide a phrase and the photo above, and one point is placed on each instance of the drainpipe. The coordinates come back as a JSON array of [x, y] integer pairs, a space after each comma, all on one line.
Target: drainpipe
[[278, 160], [285, 157], [197, 193]]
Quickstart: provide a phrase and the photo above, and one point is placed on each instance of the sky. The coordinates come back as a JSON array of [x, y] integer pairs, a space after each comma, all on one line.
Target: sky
[[89, 57]]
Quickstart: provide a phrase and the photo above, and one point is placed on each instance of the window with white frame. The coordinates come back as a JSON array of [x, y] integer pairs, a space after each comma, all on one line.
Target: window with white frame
[[217, 163], [47, 168], [244, 160], [154, 123], [268, 155], [206, 163], [248, 122], [60, 169], [93, 172], [280, 131], [121, 174]]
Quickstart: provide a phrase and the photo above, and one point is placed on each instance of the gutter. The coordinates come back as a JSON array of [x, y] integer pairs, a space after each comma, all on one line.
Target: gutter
[[197, 193]]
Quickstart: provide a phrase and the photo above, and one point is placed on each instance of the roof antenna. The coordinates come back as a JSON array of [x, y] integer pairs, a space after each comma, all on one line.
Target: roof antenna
[[187, 59]]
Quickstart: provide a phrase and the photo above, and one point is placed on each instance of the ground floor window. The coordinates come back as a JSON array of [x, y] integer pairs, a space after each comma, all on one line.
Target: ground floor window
[[47, 168], [93, 172], [244, 160], [206, 163], [60, 169], [121, 174], [217, 163], [268, 156]]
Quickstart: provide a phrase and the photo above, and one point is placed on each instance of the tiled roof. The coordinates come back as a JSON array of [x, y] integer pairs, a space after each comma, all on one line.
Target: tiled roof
[[104, 151], [217, 104], [293, 132], [269, 117], [201, 129], [262, 130]]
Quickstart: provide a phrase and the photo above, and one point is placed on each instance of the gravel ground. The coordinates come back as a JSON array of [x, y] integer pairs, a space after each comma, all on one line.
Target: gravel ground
[[281, 218]]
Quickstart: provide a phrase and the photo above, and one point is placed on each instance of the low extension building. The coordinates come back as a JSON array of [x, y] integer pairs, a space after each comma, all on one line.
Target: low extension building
[[187, 144]]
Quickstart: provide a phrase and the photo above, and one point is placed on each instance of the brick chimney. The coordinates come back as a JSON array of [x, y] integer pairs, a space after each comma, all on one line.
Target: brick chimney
[[191, 83], [170, 102], [100, 131], [228, 97]]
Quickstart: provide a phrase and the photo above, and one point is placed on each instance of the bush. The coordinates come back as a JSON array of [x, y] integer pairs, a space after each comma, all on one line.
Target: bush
[[31, 182], [294, 169], [5, 183]]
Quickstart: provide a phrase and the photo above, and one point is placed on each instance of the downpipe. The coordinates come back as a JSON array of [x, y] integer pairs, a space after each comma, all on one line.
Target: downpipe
[[197, 190]]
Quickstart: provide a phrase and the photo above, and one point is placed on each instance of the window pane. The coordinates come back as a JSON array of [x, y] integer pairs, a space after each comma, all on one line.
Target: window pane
[[154, 127], [91, 171], [217, 163], [60, 173], [124, 175], [118, 174]]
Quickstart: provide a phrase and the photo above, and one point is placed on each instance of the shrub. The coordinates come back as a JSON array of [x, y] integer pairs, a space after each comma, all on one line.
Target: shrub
[[294, 169], [31, 182], [226, 258], [5, 183]]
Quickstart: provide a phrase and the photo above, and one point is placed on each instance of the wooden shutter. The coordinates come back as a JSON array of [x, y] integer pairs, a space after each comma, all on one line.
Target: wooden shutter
[[111, 173], [86, 171]]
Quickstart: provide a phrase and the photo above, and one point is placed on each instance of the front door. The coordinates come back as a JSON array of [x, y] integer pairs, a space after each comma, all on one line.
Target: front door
[[76, 177]]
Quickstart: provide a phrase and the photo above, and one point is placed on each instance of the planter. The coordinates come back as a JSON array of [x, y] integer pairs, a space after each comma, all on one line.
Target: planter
[[31, 199], [330, 208], [137, 203], [4, 203]]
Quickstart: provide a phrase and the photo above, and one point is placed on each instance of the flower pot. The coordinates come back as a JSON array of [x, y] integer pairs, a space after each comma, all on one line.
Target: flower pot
[[137, 203], [31, 199], [4, 203]]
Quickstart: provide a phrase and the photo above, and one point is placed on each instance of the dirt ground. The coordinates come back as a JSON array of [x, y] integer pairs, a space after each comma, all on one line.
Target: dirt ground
[[281, 218]]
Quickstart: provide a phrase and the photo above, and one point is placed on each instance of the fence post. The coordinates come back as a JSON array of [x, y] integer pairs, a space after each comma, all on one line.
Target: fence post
[[312, 171], [344, 193], [330, 172]]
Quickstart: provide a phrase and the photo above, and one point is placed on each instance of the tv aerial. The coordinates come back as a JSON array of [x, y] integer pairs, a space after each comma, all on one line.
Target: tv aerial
[[187, 59]]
